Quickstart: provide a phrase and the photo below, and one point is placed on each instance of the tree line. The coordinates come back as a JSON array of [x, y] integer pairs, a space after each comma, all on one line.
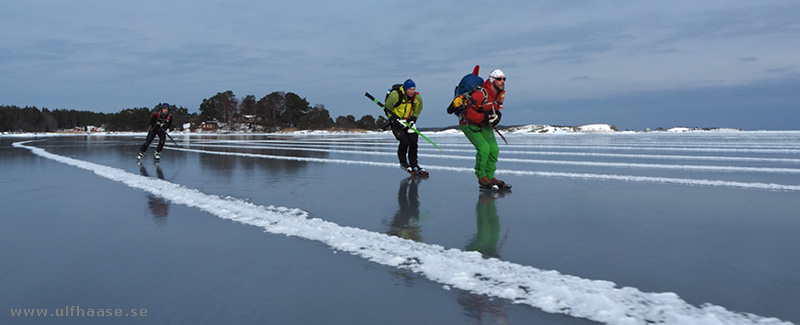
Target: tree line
[[277, 111]]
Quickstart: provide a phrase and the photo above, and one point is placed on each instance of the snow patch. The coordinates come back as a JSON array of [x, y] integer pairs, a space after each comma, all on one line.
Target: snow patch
[[596, 128], [550, 129]]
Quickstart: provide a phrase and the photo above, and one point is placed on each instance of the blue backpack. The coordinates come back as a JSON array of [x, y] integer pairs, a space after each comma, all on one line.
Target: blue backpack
[[466, 86]]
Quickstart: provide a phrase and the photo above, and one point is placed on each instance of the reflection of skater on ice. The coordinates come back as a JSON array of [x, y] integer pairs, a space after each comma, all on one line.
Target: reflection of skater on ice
[[158, 206], [405, 223], [486, 238], [478, 306], [487, 242]]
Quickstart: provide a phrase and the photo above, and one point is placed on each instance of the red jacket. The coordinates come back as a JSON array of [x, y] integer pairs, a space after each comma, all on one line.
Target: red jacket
[[476, 114]]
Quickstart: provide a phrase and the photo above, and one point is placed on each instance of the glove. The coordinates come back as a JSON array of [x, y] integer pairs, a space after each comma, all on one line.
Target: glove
[[402, 122], [486, 118], [411, 126], [495, 119]]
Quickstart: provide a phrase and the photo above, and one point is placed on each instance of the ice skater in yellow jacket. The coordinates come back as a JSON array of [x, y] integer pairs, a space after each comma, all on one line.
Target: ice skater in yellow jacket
[[406, 103]]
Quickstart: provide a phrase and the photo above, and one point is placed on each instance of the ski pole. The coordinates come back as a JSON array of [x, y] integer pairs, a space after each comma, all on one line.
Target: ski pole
[[501, 135], [392, 114], [170, 137], [495, 128], [179, 146]]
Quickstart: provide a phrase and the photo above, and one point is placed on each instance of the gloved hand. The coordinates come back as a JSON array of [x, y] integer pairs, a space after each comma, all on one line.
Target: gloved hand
[[402, 122], [495, 119], [411, 125]]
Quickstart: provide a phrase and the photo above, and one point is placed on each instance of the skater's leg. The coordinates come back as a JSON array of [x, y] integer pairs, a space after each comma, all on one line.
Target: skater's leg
[[412, 149], [481, 146], [162, 138], [150, 136], [402, 148]]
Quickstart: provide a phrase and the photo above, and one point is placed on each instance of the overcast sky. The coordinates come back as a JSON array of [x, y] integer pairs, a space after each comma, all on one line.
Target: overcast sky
[[634, 64]]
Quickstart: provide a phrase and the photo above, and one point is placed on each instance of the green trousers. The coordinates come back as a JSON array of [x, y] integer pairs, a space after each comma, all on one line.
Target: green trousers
[[486, 144]]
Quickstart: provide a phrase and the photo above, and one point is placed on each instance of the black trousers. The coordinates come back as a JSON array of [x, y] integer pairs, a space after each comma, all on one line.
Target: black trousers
[[162, 138], [407, 146]]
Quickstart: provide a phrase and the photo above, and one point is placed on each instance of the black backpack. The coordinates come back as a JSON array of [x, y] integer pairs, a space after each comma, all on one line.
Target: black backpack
[[395, 87]]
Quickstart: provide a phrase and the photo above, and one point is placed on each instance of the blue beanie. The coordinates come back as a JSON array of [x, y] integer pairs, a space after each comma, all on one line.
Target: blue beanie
[[409, 84]]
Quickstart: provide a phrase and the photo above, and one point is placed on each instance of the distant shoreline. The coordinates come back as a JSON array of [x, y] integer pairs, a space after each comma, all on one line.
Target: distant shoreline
[[514, 130]]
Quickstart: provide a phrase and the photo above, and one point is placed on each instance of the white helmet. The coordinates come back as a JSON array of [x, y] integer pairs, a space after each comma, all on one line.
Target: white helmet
[[496, 73]]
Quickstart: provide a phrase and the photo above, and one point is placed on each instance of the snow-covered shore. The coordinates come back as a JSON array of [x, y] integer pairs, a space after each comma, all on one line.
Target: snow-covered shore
[[523, 129]]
